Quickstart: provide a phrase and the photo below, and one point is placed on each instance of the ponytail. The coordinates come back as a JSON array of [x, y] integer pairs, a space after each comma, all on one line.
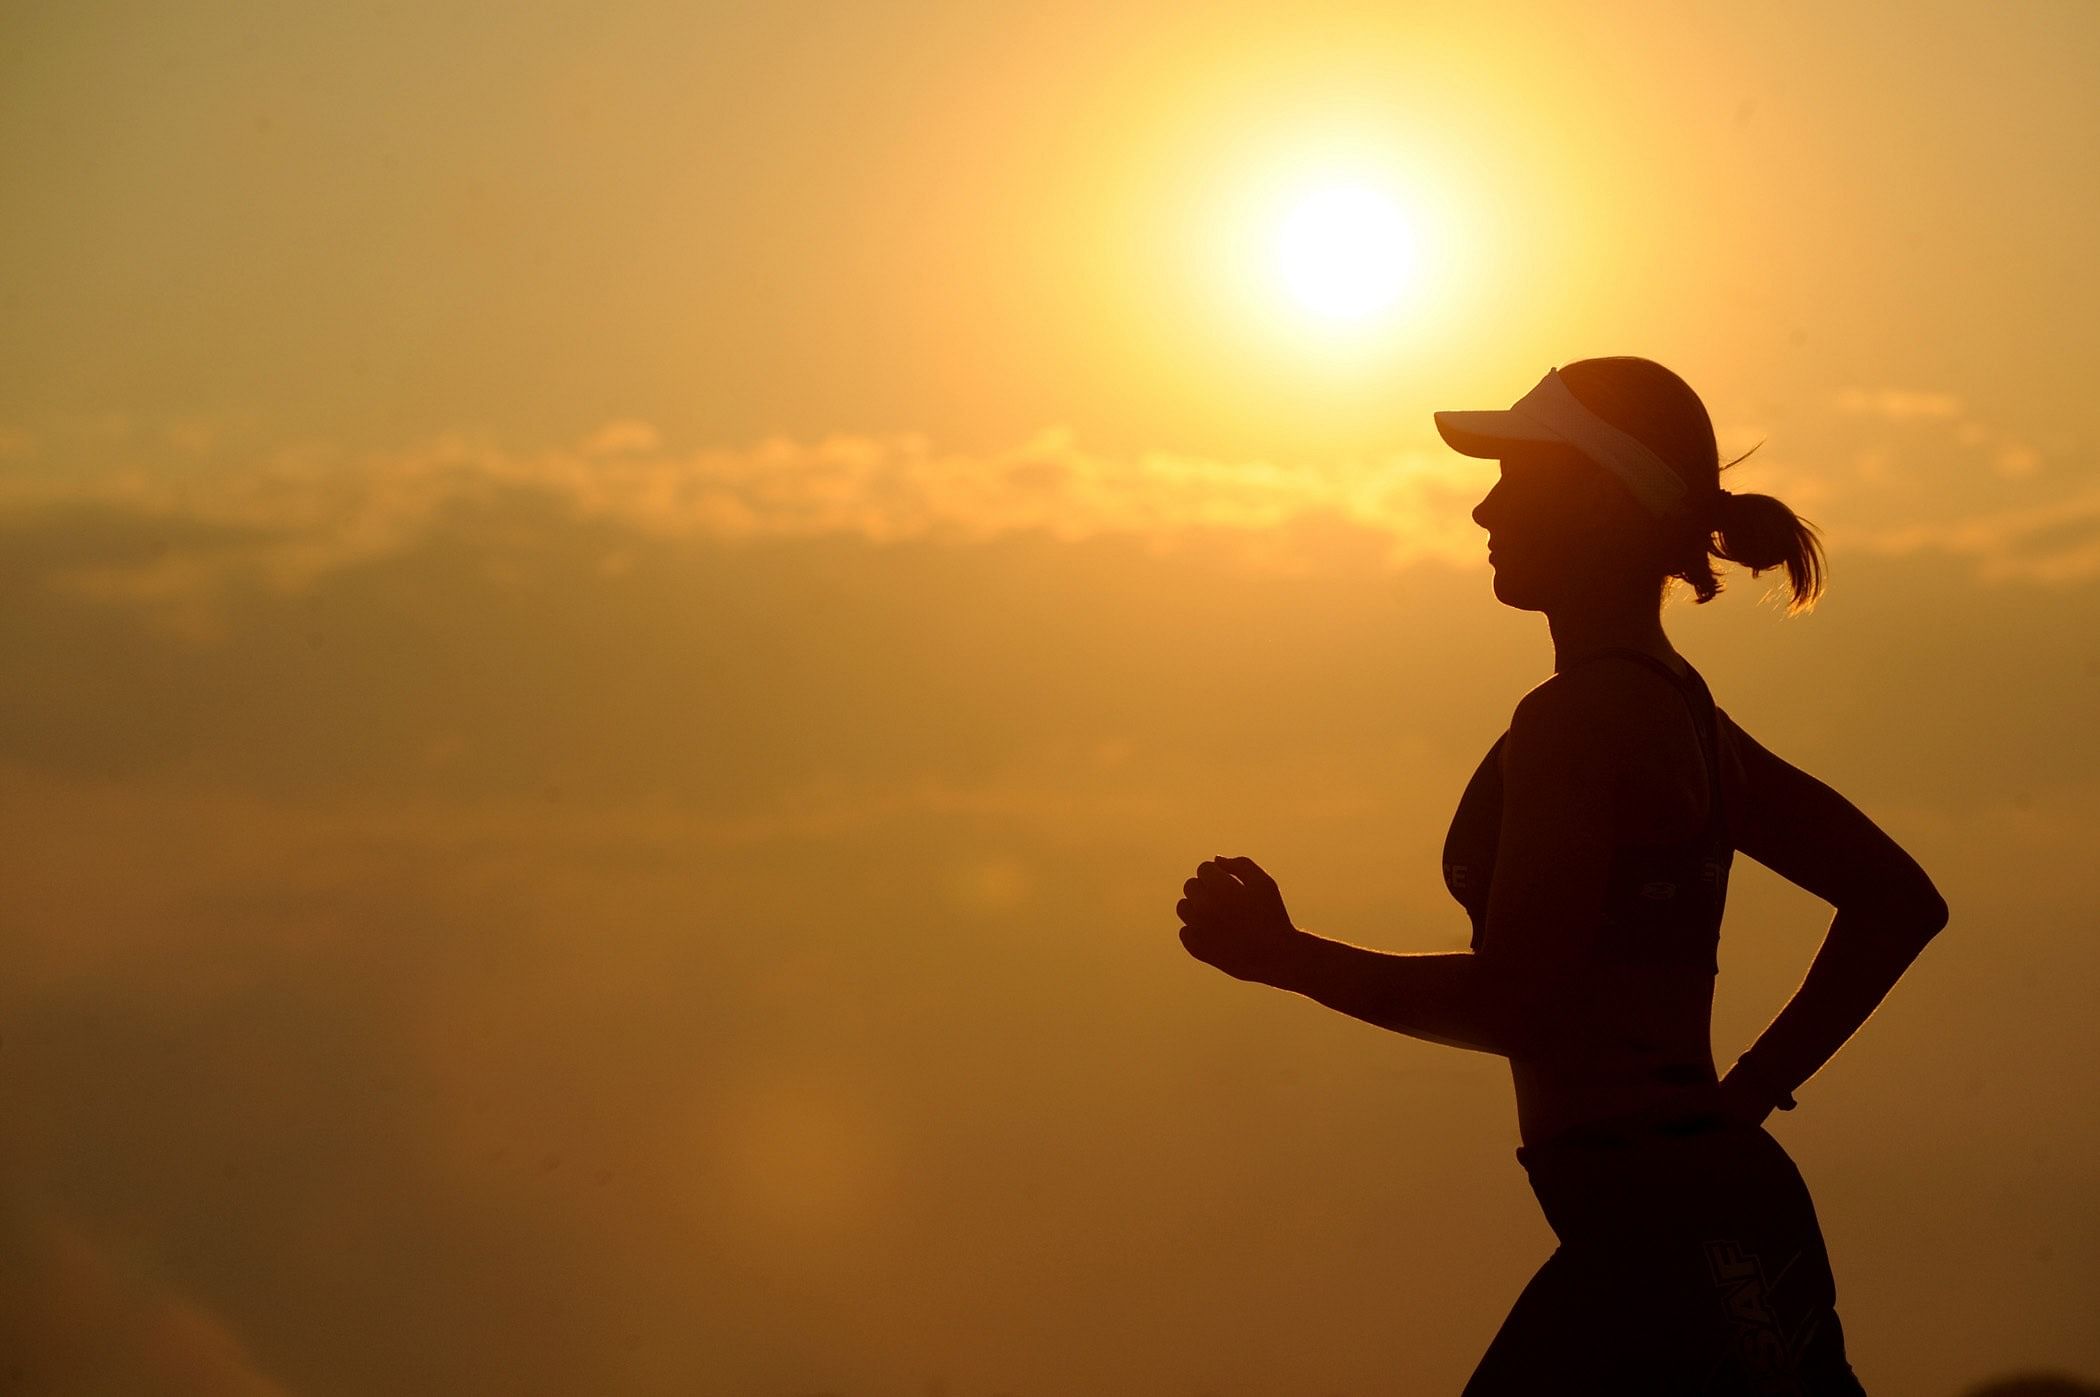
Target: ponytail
[[1648, 402], [1762, 533]]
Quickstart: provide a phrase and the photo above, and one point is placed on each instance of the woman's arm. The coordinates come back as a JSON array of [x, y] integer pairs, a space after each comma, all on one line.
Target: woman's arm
[[1864, 953], [1887, 910], [1234, 918], [1445, 997], [1519, 997]]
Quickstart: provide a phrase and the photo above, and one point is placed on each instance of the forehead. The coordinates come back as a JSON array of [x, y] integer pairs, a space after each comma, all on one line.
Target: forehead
[[1541, 456], [1553, 472]]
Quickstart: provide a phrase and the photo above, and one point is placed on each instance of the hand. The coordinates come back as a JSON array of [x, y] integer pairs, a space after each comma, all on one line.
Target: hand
[[1741, 1102], [1233, 918]]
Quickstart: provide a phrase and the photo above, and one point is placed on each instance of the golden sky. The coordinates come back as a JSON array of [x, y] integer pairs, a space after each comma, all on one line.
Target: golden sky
[[625, 619]]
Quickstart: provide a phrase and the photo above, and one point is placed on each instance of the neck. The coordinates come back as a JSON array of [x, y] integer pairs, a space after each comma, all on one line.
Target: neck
[[1580, 631]]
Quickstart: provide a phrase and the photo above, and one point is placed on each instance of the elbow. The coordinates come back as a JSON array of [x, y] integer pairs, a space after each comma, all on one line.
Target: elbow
[[1925, 909], [1914, 910]]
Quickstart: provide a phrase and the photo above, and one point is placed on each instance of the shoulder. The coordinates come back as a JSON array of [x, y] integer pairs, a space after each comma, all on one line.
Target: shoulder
[[1573, 728], [1607, 702], [1743, 760], [1736, 745]]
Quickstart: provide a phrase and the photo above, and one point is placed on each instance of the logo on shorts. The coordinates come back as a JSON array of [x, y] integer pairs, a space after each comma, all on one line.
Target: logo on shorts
[[1755, 1341]]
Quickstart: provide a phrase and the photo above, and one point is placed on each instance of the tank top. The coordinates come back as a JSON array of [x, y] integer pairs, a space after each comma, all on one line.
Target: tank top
[[1662, 901]]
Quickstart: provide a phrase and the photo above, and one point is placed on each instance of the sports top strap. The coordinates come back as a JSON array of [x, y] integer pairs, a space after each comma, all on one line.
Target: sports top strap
[[1706, 719]]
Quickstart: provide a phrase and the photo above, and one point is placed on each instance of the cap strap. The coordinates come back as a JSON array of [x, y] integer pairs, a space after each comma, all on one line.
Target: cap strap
[[1553, 406]]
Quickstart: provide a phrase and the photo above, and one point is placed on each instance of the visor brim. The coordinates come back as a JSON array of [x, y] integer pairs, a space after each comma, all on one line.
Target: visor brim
[[1484, 434]]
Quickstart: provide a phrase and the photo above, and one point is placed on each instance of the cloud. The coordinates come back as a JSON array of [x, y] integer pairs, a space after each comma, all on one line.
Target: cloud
[[217, 511], [2056, 542], [1897, 404], [623, 435], [312, 509], [1917, 473], [2016, 460]]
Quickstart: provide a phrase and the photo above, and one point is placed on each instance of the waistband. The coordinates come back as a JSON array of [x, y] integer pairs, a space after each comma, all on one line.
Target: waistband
[[1610, 1194], [1624, 1132]]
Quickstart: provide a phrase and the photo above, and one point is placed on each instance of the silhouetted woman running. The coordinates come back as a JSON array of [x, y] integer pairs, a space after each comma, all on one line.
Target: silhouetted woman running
[[1591, 851]]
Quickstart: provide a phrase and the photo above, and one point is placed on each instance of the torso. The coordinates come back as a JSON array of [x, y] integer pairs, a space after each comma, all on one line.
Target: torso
[[1647, 1052], [1664, 1022]]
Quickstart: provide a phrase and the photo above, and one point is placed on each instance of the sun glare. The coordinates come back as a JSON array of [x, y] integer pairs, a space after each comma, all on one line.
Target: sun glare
[[1346, 252]]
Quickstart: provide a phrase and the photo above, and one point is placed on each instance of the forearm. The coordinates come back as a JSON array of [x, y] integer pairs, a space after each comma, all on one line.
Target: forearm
[[1863, 955], [1446, 997]]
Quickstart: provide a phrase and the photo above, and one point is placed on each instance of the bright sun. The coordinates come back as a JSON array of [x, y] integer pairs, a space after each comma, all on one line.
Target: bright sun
[[1346, 252]]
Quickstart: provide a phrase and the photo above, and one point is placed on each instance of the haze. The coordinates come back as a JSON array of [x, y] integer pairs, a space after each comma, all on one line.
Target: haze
[[623, 620]]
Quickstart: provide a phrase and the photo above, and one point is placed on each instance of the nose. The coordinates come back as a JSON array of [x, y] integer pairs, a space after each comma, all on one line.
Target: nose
[[1483, 513]]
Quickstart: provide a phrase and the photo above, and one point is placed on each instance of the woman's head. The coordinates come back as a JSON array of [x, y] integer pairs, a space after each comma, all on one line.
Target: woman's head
[[1558, 521]]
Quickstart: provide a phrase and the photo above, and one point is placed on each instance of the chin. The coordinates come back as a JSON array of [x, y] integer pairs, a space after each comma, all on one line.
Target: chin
[[1512, 592]]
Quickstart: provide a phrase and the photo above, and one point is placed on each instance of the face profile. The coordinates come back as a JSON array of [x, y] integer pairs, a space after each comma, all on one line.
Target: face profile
[[1622, 438], [1557, 527]]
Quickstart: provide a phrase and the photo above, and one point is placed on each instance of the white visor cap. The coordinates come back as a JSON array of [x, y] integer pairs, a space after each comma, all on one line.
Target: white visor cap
[[1552, 413]]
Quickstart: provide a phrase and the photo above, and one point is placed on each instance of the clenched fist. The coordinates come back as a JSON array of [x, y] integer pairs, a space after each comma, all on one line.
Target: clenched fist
[[1233, 917]]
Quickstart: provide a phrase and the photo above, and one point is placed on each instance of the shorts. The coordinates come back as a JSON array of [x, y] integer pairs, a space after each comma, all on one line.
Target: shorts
[[1689, 1262]]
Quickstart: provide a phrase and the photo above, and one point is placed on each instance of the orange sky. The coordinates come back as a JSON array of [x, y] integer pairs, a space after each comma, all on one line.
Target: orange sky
[[626, 619]]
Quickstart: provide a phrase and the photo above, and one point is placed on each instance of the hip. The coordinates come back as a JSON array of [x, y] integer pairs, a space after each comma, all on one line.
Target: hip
[[1670, 1182], [1688, 1262]]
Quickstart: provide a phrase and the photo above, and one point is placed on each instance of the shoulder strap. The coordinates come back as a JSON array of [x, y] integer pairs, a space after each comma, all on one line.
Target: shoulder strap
[[1706, 719]]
